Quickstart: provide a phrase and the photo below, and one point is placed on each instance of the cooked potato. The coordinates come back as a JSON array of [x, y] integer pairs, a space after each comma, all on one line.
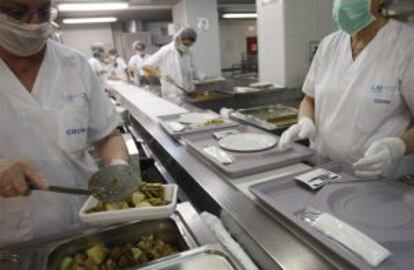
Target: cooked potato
[[148, 195], [97, 254], [100, 257], [138, 197]]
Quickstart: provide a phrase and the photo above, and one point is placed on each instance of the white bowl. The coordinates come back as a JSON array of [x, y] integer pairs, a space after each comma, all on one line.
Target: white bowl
[[132, 214]]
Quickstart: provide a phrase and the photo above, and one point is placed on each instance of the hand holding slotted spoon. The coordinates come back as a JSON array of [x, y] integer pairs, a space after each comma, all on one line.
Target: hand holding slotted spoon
[[112, 183]]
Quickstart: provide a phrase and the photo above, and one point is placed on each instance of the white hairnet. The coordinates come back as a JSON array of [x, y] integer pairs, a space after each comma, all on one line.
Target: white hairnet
[[187, 33]]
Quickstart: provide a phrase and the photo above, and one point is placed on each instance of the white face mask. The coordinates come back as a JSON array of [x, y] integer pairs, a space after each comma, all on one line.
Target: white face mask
[[22, 39], [183, 48]]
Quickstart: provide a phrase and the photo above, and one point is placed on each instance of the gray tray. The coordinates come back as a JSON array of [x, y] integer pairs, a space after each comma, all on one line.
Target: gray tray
[[246, 163], [352, 203], [212, 257], [190, 130]]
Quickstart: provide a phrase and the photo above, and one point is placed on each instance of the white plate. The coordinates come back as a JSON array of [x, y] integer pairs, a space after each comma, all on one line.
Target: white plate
[[196, 118], [248, 142], [132, 214]]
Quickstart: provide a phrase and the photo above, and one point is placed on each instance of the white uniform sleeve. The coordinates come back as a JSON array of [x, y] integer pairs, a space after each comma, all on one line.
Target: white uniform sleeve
[[121, 63], [407, 84], [103, 118], [131, 62], [310, 81], [156, 59]]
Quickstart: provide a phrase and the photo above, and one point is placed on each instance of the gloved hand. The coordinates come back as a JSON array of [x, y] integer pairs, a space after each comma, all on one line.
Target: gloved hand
[[304, 129], [379, 156], [15, 176], [169, 79], [118, 162]]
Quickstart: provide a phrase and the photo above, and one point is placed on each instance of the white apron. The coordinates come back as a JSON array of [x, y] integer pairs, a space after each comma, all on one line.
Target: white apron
[[49, 129]]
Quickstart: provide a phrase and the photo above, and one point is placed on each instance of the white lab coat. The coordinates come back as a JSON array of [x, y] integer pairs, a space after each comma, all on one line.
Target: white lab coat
[[360, 101], [118, 69], [99, 68], [137, 62], [51, 128], [181, 68]]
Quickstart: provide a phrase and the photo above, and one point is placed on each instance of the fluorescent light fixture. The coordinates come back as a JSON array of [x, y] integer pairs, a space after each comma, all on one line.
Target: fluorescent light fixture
[[110, 6], [239, 16], [90, 20]]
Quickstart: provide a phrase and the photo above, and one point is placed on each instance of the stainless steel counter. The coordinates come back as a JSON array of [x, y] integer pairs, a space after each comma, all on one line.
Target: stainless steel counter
[[271, 241]]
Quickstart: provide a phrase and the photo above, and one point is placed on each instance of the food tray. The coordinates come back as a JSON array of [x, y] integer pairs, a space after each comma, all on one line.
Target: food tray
[[191, 130], [204, 258], [133, 214], [204, 96], [270, 118], [15, 260], [246, 163], [368, 206], [168, 230]]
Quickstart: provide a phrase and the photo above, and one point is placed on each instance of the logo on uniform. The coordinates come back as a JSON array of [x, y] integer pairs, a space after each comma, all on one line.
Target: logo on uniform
[[75, 131]]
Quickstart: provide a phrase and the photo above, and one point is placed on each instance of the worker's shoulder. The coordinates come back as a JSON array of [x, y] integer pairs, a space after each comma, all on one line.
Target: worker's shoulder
[[333, 39], [66, 54], [166, 48], [405, 39]]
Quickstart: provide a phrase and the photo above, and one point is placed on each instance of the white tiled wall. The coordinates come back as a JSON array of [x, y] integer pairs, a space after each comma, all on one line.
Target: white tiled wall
[[271, 40], [306, 21], [233, 34], [81, 37], [207, 49], [286, 29]]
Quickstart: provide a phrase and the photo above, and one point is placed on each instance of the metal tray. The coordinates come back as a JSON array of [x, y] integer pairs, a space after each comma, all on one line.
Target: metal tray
[[246, 163], [191, 130], [204, 95], [15, 260], [204, 258], [374, 215], [168, 230], [270, 117]]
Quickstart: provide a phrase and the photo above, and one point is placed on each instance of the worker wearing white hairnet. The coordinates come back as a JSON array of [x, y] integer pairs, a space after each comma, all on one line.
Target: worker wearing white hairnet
[[52, 108], [174, 64], [97, 61], [359, 102], [138, 60]]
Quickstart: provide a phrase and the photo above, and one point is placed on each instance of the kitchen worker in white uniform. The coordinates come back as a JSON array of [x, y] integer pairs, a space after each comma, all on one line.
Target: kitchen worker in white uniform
[[174, 64], [97, 61], [359, 102], [118, 69], [52, 107], [137, 61]]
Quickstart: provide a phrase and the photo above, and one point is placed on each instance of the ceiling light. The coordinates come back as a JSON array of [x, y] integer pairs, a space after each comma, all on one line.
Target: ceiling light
[[240, 16], [90, 20], [93, 6]]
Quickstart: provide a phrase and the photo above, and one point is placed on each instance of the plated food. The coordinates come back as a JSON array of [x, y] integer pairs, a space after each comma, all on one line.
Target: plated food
[[148, 195], [103, 257], [213, 122]]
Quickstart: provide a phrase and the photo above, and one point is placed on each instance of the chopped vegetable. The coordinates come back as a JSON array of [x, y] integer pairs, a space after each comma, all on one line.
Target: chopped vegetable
[[148, 195], [97, 254], [66, 263], [214, 122], [100, 257]]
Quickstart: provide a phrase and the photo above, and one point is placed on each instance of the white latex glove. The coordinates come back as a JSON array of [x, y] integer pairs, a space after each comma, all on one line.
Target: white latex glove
[[304, 129], [118, 161], [379, 156]]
